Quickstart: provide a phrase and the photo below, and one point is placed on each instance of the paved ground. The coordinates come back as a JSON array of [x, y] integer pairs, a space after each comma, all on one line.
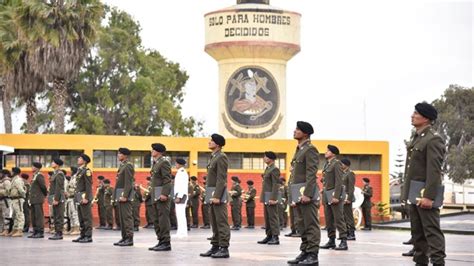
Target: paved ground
[[378, 247]]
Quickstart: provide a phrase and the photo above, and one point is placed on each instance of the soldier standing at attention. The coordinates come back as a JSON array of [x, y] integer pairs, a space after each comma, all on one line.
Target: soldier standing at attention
[[149, 211], [5, 184], [17, 196], [283, 214], [204, 207], [125, 181], [236, 203], [109, 209], [217, 178], [37, 194], [161, 178], [348, 180], [250, 204], [304, 167], [137, 202], [99, 198], [83, 197], [195, 202], [367, 204], [424, 161], [271, 184], [56, 190], [334, 211]]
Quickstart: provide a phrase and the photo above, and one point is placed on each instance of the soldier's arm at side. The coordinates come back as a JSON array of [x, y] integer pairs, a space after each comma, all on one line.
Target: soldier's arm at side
[[221, 183], [351, 186], [311, 158], [166, 174], [128, 181], [434, 159], [42, 184], [338, 180], [59, 189], [275, 176], [88, 183]]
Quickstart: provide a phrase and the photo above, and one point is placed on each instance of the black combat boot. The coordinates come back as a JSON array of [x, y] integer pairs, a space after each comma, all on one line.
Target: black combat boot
[[211, 251], [155, 246], [265, 240], [126, 243], [330, 244], [301, 257], [351, 235], [119, 242], [342, 245], [274, 241], [32, 235], [410, 253], [165, 246], [409, 242], [86, 239], [77, 239], [57, 236], [223, 253], [290, 234], [311, 259]]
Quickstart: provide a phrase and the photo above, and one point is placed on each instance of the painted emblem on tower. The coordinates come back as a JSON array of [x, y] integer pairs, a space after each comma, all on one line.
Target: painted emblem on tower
[[252, 97]]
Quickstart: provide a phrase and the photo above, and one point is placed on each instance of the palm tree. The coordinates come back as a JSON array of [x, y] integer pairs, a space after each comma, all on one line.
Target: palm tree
[[61, 33]]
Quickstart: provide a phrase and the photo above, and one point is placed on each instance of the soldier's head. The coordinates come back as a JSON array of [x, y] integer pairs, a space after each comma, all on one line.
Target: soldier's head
[[303, 131], [250, 183], [346, 163], [331, 152], [56, 163], [123, 154], [16, 171], [269, 157], [148, 178], [180, 162], [366, 180], [36, 166], [216, 142], [157, 150], [424, 114], [83, 159], [101, 178], [235, 180], [107, 182], [193, 179], [25, 176]]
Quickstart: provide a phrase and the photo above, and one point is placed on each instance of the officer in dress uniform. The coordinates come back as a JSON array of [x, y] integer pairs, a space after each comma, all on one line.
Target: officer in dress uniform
[[367, 204], [56, 190], [348, 180], [249, 200], [37, 195], [83, 199], [236, 203]]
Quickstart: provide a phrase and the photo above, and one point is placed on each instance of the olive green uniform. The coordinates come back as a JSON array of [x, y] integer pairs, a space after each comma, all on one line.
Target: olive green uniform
[[367, 205], [283, 214], [125, 181], [161, 177], [26, 207], [250, 205], [195, 203], [149, 210], [137, 203], [84, 187], [236, 205], [204, 209], [348, 180], [334, 214], [109, 208], [424, 160], [56, 190], [37, 194], [271, 184], [217, 177], [100, 204], [304, 167]]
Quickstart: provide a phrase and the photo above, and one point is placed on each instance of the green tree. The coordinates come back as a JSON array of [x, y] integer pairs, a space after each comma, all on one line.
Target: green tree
[[456, 125], [125, 89]]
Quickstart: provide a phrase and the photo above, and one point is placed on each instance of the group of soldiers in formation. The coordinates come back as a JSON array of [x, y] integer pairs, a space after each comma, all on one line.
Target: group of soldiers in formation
[[165, 197]]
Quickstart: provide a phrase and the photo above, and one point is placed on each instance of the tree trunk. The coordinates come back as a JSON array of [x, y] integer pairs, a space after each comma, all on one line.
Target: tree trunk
[[7, 110], [31, 113], [59, 105]]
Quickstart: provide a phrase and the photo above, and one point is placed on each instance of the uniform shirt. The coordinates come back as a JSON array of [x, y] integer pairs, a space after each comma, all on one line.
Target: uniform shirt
[[161, 177], [304, 167], [181, 183], [250, 196], [56, 186], [84, 182], [425, 155], [236, 197], [125, 179], [332, 175], [38, 189], [217, 173], [367, 192], [108, 196], [271, 182], [18, 189], [348, 180], [5, 186]]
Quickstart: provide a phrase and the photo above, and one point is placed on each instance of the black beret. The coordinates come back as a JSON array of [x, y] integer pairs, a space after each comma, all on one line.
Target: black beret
[[158, 147], [73, 169], [305, 127], [148, 178], [346, 161], [218, 139], [25, 176], [16, 170], [106, 181], [58, 161], [427, 110], [235, 178], [101, 177], [333, 149], [124, 151], [366, 179], [181, 161], [68, 177], [193, 178], [37, 165], [86, 158], [249, 182], [204, 177], [270, 155], [50, 173]]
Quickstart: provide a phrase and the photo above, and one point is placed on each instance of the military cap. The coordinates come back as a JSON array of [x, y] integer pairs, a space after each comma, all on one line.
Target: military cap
[[218, 139], [158, 147], [37, 165], [124, 151], [427, 110], [5, 172], [181, 161], [25, 176], [16, 170], [270, 155], [366, 179], [333, 149], [235, 178], [101, 177], [58, 161], [250, 182], [346, 161], [86, 158], [305, 127], [148, 178], [74, 169], [194, 178], [106, 181]]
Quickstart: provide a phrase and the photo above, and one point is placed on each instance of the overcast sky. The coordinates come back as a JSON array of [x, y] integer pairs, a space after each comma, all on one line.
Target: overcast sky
[[386, 54]]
